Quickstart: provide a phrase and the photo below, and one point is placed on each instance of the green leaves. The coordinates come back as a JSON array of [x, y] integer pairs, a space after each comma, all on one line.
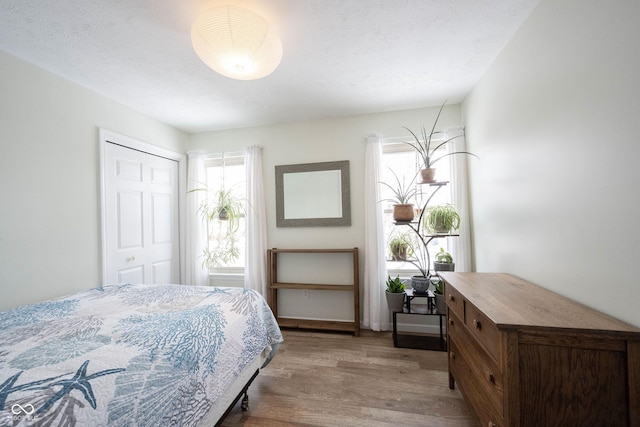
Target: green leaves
[[222, 214], [422, 144], [443, 256], [442, 219], [403, 193], [395, 286]]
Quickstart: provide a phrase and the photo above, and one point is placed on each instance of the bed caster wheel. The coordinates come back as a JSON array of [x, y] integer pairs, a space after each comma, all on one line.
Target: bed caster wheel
[[245, 403]]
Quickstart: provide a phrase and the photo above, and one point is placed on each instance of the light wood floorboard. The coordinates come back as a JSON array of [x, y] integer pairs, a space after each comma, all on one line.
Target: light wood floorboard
[[329, 380]]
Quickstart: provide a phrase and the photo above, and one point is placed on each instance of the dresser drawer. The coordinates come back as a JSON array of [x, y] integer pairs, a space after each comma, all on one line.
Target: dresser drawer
[[471, 386], [483, 329], [488, 375], [454, 300], [454, 323]]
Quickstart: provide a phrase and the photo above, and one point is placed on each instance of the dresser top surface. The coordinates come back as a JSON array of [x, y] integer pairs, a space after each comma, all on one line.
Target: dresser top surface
[[511, 302]]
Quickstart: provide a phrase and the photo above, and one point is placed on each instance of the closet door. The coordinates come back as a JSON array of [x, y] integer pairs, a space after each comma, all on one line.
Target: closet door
[[141, 217]]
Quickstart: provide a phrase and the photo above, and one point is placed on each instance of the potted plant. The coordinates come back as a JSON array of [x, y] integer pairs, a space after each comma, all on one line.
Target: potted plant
[[428, 153], [438, 292], [442, 219], [443, 261], [399, 246], [395, 293], [403, 194]]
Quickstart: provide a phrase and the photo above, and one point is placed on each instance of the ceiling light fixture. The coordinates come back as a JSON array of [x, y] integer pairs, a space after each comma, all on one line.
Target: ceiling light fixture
[[236, 42]]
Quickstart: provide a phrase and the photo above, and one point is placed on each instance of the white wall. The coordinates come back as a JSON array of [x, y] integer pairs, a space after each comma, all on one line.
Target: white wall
[[319, 141], [554, 121], [49, 191]]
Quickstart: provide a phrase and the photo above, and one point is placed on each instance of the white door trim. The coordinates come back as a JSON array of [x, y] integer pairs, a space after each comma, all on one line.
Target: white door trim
[[106, 137]]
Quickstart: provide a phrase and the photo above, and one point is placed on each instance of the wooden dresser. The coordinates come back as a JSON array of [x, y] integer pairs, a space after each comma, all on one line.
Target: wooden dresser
[[525, 356]]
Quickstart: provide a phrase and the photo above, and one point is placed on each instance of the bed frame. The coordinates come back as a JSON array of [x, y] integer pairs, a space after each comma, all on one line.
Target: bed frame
[[245, 399]]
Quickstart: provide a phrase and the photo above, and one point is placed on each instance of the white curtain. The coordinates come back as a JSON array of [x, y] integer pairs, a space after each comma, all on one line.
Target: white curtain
[[196, 228], [460, 246], [375, 310], [255, 274]]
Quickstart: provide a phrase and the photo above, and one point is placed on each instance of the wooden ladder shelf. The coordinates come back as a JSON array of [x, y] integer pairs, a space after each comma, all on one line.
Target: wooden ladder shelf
[[330, 325]]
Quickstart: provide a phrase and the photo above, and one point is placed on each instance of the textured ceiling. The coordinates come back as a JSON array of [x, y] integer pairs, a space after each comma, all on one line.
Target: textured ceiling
[[341, 57]]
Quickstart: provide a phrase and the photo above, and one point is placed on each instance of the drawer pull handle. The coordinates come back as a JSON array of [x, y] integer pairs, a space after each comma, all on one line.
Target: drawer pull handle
[[491, 378], [452, 355], [451, 298], [491, 424], [477, 324], [451, 322]]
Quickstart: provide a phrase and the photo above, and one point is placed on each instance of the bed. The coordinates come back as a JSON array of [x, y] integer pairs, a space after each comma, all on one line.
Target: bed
[[133, 355]]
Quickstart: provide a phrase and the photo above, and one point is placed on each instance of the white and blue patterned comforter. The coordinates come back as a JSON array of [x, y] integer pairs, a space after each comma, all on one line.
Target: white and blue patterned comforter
[[129, 355]]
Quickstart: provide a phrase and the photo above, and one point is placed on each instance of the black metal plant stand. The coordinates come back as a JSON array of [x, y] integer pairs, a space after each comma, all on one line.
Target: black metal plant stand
[[424, 342]]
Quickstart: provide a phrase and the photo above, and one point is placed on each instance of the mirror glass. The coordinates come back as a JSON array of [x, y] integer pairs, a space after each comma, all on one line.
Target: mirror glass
[[313, 194]]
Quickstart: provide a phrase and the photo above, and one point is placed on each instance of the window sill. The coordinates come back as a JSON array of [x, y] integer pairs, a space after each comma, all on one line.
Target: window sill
[[226, 276]]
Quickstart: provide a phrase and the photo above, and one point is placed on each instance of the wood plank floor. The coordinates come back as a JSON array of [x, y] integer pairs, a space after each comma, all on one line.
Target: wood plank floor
[[326, 379]]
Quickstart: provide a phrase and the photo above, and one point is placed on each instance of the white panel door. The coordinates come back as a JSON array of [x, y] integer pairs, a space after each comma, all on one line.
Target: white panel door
[[141, 217]]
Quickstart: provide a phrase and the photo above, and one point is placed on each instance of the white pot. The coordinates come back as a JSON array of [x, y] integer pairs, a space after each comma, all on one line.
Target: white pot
[[395, 301]]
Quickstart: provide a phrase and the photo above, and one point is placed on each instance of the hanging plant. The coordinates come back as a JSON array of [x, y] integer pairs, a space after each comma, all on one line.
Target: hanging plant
[[224, 207], [222, 215]]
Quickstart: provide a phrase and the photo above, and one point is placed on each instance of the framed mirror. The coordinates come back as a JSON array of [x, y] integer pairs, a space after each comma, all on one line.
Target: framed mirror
[[313, 195]]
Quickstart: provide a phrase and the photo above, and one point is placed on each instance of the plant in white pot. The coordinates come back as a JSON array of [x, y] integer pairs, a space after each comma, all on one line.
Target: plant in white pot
[[438, 291], [442, 219], [443, 261], [403, 195], [427, 146], [395, 293]]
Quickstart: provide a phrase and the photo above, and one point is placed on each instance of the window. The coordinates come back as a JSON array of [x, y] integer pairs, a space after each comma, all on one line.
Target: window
[[402, 160], [225, 252]]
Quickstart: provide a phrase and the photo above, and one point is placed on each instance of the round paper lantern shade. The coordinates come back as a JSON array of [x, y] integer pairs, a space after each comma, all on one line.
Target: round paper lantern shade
[[236, 42]]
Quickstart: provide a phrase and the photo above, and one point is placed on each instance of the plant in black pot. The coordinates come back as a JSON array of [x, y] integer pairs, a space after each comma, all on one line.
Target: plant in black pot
[[395, 293], [443, 261]]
